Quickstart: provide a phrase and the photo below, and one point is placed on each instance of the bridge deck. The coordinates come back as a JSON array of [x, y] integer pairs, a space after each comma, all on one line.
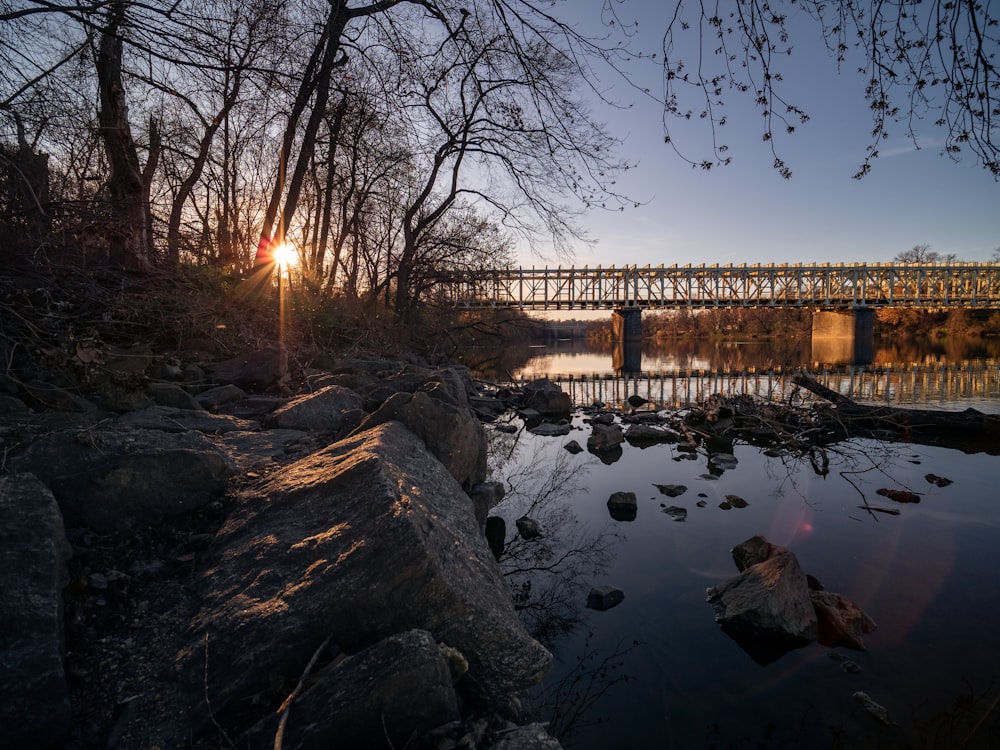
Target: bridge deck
[[975, 285]]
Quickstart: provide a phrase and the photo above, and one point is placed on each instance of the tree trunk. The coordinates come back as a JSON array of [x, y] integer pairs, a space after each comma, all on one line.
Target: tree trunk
[[129, 235]]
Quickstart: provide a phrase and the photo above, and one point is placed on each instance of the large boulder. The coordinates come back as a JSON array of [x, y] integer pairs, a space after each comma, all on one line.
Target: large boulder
[[769, 599], [119, 479], [451, 433], [359, 700], [545, 397], [321, 411], [34, 697], [366, 538], [256, 370]]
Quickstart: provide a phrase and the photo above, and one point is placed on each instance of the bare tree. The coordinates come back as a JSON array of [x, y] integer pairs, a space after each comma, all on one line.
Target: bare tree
[[923, 254], [933, 61]]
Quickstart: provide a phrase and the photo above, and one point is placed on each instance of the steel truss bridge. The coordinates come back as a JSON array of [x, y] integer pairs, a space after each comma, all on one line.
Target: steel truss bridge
[[828, 285]]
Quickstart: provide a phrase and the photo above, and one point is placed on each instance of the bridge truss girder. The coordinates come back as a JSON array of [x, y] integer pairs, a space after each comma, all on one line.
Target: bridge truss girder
[[823, 285]]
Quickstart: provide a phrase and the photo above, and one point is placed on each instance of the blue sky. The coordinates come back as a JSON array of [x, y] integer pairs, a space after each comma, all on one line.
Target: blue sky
[[747, 213]]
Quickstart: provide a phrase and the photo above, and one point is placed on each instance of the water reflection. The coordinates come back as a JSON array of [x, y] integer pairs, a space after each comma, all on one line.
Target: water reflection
[[924, 571]]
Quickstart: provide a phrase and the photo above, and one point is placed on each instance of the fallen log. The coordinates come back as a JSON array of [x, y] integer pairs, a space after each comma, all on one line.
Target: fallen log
[[855, 415]]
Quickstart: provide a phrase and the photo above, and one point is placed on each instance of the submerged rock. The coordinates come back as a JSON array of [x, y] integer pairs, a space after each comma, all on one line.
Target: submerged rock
[[603, 598], [623, 506]]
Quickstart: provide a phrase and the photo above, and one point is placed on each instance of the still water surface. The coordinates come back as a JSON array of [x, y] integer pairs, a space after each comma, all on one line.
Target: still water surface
[[657, 672]]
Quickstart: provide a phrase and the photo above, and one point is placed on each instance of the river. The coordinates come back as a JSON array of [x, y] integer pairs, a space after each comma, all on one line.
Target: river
[[656, 671]]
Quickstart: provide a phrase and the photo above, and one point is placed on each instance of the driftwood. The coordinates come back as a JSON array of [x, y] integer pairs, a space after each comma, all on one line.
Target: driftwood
[[855, 416]]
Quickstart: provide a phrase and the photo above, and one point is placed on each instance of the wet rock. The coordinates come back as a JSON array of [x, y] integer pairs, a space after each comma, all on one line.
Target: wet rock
[[899, 496], [635, 401], [676, 512], [496, 535], [736, 501], [841, 621], [602, 418], [546, 397], [754, 550], [769, 599], [34, 696], [642, 435], [573, 447], [876, 710], [485, 497], [528, 528], [528, 737], [603, 598], [671, 490], [938, 481], [623, 506], [723, 461], [605, 438], [549, 429]]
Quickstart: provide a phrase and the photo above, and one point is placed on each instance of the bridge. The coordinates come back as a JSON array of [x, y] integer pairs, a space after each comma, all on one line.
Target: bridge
[[843, 296], [826, 285]]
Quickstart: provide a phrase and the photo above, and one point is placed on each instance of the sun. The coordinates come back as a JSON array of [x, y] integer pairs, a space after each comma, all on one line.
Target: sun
[[285, 255]]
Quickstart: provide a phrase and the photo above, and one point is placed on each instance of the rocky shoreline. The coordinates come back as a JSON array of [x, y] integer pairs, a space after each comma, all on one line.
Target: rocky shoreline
[[196, 562]]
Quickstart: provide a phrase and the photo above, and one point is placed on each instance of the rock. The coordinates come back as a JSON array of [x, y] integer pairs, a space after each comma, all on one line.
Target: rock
[[321, 411], [769, 599], [171, 394], [938, 481], [528, 528], [573, 447], [485, 497], [545, 397], [322, 546], [49, 396], [602, 598], [548, 429], [496, 535], [899, 496], [173, 419], [722, 461], [601, 418], [257, 370], [642, 435], [671, 490], [220, 395], [369, 695], [120, 479], [841, 621], [622, 506], [676, 512], [529, 737], [876, 710], [12, 405], [754, 550], [605, 438], [736, 501], [452, 434], [34, 697]]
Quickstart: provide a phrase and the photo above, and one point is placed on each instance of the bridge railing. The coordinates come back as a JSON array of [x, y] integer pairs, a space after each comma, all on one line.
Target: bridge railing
[[705, 286]]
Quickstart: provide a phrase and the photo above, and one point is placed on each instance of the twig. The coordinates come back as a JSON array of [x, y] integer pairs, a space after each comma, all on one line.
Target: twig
[[279, 736], [208, 702]]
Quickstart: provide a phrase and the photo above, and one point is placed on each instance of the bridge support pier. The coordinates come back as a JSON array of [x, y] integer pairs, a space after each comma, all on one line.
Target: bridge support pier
[[626, 324], [626, 331], [844, 336]]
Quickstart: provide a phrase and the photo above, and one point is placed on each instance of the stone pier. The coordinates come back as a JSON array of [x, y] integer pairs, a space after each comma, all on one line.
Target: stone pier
[[843, 336], [626, 324]]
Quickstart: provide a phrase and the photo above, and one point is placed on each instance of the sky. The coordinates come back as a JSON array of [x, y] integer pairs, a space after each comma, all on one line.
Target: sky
[[747, 213]]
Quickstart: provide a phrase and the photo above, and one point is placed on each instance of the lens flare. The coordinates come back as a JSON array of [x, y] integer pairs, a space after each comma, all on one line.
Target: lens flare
[[285, 255]]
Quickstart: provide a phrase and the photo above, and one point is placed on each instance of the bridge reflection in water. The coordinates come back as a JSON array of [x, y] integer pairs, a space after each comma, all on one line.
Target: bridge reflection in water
[[954, 385]]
